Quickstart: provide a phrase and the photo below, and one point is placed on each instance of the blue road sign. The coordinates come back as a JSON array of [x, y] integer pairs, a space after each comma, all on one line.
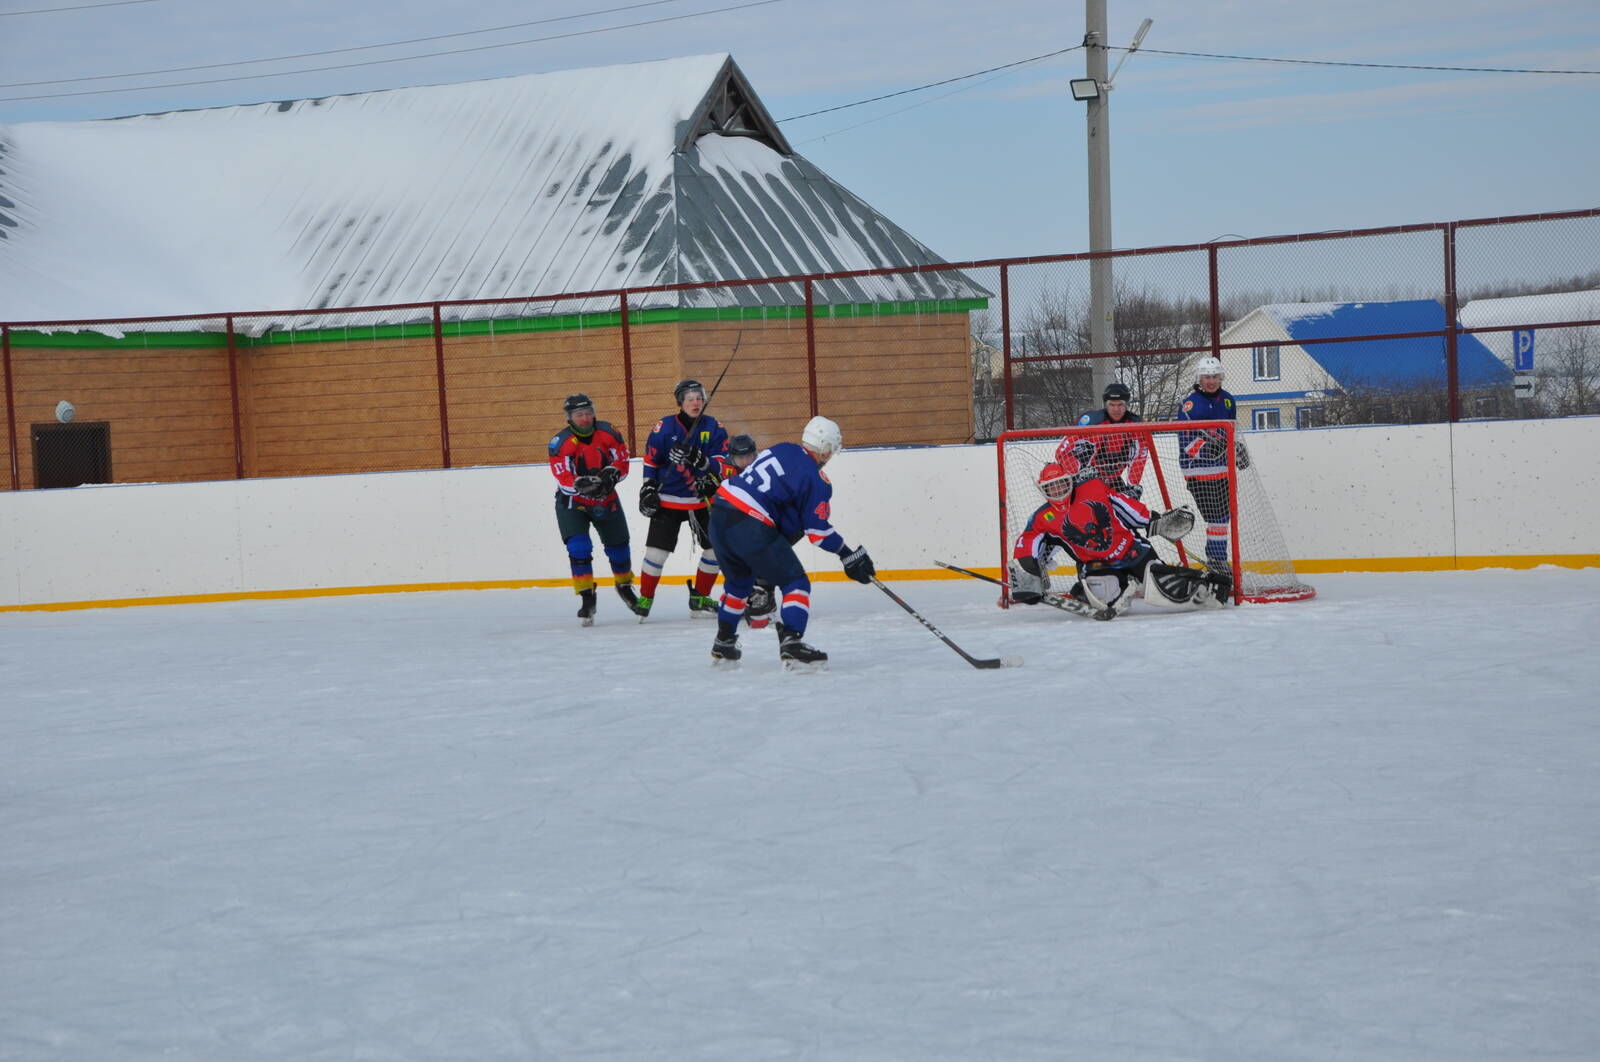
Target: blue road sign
[[1522, 344]]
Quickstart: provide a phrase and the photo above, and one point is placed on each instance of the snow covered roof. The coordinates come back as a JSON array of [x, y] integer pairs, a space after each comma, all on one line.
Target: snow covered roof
[[1551, 308], [623, 176], [1385, 362]]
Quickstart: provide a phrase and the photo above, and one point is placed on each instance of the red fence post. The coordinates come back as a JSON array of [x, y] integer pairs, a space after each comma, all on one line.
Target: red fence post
[[233, 389], [444, 410], [1452, 368], [627, 365], [811, 346], [1216, 303], [11, 407], [1005, 342]]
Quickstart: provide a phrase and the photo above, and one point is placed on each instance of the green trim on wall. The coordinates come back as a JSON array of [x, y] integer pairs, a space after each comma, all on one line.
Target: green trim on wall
[[567, 322]]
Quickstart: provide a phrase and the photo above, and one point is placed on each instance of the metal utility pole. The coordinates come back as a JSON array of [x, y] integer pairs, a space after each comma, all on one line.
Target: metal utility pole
[[1102, 320]]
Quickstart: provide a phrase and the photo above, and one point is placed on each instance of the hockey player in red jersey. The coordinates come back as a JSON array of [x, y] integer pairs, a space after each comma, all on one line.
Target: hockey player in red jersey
[[1119, 457], [588, 457], [1102, 531]]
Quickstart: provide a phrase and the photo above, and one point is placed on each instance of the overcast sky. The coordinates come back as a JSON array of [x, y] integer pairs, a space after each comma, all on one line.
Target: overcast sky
[[988, 166]]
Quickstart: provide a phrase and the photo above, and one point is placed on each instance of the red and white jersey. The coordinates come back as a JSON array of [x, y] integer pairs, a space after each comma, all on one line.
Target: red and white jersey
[[573, 455], [1094, 523]]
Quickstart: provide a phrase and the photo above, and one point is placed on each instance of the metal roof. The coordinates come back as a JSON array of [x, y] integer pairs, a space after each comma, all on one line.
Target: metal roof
[[1386, 362], [624, 176]]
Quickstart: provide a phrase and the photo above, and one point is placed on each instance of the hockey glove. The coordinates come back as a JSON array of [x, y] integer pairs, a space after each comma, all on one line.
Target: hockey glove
[[649, 499], [707, 483], [1083, 451], [857, 565], [1172, 524], [610, 473], [1130, 490], [591, 486], [689, 457], [1241, 456], [1212, 450]]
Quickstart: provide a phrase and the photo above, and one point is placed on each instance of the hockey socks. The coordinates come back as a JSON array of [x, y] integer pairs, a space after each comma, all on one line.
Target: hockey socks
[[705, 575]]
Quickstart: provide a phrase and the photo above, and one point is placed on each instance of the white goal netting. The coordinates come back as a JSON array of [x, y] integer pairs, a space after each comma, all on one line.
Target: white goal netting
[[1234, 524]]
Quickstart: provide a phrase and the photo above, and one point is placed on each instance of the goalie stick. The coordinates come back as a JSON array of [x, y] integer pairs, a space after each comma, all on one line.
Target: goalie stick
[[1065, 604], [988, 664]]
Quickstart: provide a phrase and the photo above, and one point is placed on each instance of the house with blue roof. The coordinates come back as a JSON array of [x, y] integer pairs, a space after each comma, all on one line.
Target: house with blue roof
[[1295, 362]]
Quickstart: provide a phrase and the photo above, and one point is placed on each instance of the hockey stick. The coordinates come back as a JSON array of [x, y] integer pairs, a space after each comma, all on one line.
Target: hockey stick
[[989, 664], [1065, 604], [704, 527]]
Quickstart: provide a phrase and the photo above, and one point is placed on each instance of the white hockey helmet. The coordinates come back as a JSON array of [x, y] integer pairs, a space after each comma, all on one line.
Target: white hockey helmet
[[1207, 366], [821, 436]]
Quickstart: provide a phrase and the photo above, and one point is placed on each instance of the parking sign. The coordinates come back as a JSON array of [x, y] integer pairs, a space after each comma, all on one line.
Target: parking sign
[[1522, 344]]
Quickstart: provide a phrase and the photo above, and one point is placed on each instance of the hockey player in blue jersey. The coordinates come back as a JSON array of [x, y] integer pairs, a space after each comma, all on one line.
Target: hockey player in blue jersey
[[684, 458], [1203, 457], [756, 518]]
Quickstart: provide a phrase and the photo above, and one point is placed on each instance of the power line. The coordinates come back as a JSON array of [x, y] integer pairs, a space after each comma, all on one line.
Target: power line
[[76, 7], [900, 110], [1369, 66], [929, 85], [329, 51], [396, 59], [1162, 51]]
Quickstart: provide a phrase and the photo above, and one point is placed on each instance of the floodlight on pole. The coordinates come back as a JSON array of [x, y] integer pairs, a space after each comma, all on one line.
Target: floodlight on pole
[[1084, 89]]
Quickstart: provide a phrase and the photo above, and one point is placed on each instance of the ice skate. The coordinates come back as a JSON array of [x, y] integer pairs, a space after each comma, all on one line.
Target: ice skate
[[586, 608], [759, 608], [725, 651], [700, 606], [641, 607], [797, 655], [633, 600]]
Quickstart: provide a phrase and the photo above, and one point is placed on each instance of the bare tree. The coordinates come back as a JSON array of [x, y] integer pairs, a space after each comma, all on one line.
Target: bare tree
[[1569, 379], [1148, 322]]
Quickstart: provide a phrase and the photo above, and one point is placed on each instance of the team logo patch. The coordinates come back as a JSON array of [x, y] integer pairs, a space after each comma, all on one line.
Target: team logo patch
[[1188, 405]]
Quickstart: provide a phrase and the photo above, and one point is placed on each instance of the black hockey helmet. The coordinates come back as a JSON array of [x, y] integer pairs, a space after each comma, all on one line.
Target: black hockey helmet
[[684, 387], [1116, 392], [576, 402], [741, 446]]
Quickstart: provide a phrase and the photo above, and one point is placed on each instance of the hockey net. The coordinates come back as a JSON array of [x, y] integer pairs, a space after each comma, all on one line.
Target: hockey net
[[1256, 553]]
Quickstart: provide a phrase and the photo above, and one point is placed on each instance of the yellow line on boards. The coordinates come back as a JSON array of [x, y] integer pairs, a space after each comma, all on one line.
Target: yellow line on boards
[[1304, 567]]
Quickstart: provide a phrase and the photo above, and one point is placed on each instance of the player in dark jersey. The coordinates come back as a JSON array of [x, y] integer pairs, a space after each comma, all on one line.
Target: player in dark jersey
[[588, 457], [1119, 458], [1203, 457], [756, 518], [682, 461], [761, 603]]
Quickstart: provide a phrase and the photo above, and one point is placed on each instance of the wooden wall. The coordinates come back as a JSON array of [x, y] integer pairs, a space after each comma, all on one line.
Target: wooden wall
[[170, 410], [363, 405]]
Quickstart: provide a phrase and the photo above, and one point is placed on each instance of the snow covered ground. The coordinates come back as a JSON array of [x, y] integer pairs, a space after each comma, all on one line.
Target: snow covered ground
[[457, 826]]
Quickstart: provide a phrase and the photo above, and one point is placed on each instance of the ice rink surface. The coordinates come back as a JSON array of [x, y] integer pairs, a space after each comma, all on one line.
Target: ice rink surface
[[458, 826]]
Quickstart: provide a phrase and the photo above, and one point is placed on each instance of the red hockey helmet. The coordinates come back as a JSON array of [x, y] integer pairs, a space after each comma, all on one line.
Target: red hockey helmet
[[1055, 482]]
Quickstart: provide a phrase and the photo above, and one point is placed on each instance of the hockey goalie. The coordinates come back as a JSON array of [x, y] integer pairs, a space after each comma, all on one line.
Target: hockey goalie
[[1103, 532]]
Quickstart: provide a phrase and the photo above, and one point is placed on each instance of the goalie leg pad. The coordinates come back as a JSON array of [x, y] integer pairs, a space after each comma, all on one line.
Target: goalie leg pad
[[1177, 587]]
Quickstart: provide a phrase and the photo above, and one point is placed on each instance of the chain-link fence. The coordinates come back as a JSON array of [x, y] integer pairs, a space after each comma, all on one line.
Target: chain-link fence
[[1443, 321]]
